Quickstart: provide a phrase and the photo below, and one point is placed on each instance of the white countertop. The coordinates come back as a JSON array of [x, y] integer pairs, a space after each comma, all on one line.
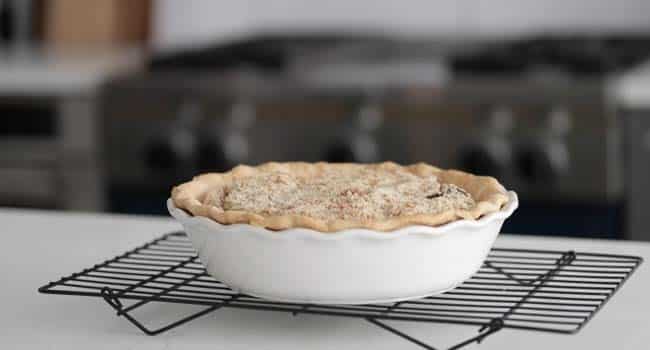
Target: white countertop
[[41, 246], [34, 72]]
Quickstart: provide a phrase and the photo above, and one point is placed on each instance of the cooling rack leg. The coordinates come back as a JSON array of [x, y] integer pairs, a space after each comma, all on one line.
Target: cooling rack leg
[[400, 334], [116, 304], [494, 326]]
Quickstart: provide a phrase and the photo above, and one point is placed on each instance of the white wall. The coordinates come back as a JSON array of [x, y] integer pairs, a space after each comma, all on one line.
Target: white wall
[[190, 22]]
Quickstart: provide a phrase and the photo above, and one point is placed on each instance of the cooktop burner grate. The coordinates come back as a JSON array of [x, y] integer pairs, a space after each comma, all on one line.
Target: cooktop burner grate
[[538, 290]]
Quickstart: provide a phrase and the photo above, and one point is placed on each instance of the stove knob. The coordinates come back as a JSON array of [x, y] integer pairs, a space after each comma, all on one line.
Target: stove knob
[[477, 160], [359, 143], [490, 157], [212, 157], [160, 155], [174, 151], [545, 158], [224, 142], [541, 163], [175, 148], [491, 154], [340, 153], [220, 153], [558, 122], [361, 148]]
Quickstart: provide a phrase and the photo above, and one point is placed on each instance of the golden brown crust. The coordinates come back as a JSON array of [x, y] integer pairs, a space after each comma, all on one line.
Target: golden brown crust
[[489, 195]]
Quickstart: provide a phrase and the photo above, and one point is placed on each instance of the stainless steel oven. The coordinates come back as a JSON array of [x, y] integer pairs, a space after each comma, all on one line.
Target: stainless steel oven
[[542, 120], [49, 152]]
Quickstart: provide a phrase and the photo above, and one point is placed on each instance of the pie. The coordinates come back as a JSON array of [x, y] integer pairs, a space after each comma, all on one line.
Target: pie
[[330, 197]]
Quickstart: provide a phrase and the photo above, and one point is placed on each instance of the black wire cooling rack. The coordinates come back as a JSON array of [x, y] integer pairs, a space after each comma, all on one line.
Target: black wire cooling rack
[[540, 290]]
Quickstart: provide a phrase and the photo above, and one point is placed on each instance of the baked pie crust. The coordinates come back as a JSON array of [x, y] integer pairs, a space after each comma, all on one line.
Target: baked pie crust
[[245, 195]]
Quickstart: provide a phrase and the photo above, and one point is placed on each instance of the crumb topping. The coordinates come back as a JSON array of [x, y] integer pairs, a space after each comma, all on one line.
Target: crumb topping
[[361, 193]]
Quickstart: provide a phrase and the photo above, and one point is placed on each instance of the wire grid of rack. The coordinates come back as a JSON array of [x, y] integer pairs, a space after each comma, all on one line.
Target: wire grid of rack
[[538, 290]]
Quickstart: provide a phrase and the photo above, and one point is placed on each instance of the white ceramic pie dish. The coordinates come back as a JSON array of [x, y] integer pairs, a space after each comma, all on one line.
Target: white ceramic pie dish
[[354, 266]]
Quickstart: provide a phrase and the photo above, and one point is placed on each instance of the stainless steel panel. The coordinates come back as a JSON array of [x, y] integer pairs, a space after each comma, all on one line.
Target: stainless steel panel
[[637, 173], [28, 186]]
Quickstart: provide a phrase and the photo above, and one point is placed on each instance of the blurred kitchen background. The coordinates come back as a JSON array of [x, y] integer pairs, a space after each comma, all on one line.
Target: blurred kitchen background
[[105, 104]]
